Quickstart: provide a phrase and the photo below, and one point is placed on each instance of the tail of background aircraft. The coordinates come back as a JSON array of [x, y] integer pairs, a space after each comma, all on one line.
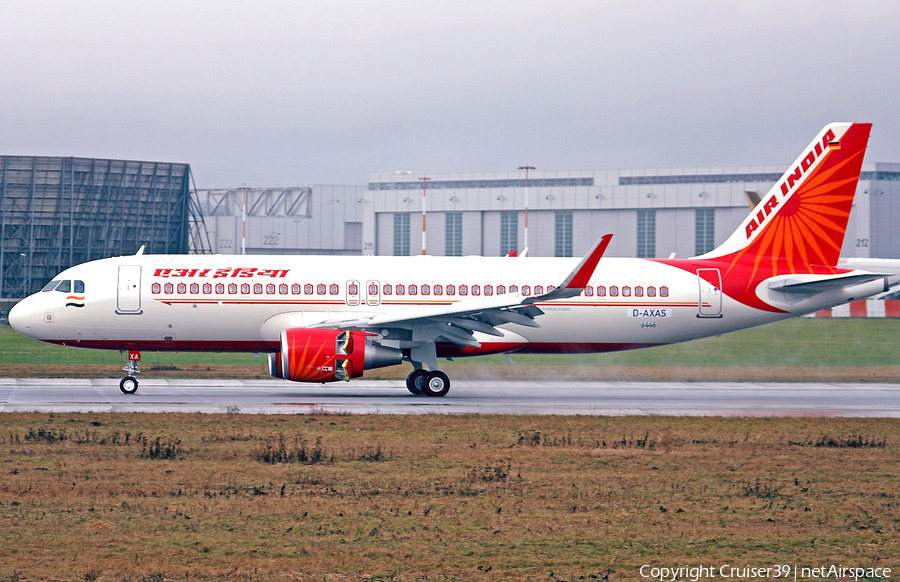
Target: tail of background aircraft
[[800, 223]]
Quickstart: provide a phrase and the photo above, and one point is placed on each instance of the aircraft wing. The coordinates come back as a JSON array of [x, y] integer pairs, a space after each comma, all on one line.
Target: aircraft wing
[[457, 322]]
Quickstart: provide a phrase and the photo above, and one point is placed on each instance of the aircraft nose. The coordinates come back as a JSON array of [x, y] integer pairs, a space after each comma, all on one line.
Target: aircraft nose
[[20, 317]]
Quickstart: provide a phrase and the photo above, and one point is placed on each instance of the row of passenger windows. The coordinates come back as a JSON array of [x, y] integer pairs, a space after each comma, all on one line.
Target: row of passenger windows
[[388, 290]]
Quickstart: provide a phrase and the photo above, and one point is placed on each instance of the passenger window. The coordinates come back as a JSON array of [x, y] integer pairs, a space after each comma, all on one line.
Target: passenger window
[[438, 290], [501, 289], [463, 290], [50, 286], [207, 288], [169, 288], [386, 290], [476, 289], [373, 289], [488, 289], [526, 289], [182, 288], [308, 289], [663, 291], [320, 289], [638, 291], [64, 287], [232, 288], [426, 290], [257, 288], [155, 288], [296, 289], [513, 289], [333, 289], [270, 289], [283, 289], [79, 286], [245, 288], [651, 291], [626, 291], [413, 290], [401, 289], [354, 289], [451, 290], [538, 290], [613, 291], [588, 291], [195, 288]]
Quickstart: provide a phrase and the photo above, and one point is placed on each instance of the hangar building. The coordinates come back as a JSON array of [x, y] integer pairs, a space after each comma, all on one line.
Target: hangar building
[[652, 213], [295, 220], [56, 212]]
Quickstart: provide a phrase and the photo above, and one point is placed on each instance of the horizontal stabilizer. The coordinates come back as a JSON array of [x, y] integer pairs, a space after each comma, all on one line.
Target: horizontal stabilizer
[[827, 283]]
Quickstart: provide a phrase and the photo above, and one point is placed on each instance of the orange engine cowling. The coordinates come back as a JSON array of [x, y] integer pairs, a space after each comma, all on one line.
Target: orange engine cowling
[[328, 355]]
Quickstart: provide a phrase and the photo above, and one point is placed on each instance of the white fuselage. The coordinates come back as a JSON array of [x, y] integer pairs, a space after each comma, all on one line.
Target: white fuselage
[[242, 303]]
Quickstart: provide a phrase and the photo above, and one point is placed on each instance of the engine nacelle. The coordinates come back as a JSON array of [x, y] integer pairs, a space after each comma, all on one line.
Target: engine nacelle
[[328, 355]]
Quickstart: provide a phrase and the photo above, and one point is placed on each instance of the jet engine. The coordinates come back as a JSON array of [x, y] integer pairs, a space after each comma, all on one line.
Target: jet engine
[[328, 355]]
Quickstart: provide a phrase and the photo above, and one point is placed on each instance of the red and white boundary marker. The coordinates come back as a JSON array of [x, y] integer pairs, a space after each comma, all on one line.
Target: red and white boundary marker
[[863, 308]]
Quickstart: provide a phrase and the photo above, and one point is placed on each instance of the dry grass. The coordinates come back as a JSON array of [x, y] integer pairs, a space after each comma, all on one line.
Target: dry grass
[[334, 497]]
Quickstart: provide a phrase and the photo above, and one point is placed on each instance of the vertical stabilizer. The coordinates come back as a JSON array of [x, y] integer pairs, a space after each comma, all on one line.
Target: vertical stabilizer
[[801, 221]]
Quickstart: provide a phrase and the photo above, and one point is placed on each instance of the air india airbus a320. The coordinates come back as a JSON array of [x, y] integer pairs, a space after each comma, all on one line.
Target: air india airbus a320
[[329, 318]]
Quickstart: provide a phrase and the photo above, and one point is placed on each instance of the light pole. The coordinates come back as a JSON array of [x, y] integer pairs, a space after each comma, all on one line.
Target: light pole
[[244, 223], [526, 168], [424, 192]]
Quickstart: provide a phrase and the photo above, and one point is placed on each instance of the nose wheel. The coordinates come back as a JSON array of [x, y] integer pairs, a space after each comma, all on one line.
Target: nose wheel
[[129, 384]]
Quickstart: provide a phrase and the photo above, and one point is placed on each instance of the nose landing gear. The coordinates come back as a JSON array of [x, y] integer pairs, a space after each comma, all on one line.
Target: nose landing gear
[[129, 384]]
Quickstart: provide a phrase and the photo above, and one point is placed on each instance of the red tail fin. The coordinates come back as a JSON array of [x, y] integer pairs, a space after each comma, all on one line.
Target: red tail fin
[[801, 222]]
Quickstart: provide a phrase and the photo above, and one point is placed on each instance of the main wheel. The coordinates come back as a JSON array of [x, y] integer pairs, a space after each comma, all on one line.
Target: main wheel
[[415, 381], [436, 384], [128, 385]]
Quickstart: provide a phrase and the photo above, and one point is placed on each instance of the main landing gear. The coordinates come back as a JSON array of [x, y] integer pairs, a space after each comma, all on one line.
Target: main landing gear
[[434, 383], [129, 384]]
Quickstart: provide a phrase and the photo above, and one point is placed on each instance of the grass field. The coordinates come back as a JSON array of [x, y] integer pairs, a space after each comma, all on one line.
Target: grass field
[[799, 349], [333, 497]]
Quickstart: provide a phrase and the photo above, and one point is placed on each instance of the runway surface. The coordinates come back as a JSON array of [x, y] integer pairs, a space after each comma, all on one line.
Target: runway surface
[[466, 397]]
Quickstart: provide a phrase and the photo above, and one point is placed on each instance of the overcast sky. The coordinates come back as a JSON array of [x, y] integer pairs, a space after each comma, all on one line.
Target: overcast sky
[[301, 92]]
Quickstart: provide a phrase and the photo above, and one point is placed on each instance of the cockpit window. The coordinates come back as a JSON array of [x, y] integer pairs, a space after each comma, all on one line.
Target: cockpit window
[[64, 287], [79, 287], [50, 286]]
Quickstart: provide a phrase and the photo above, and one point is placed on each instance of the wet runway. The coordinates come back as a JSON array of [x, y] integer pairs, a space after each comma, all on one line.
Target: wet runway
[[465, 397]]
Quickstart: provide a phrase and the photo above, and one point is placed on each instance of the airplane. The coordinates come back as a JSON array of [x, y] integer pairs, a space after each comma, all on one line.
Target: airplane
[[330, 318]]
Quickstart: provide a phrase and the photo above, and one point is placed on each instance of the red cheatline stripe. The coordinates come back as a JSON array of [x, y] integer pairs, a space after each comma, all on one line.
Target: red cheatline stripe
[[413, 303]]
